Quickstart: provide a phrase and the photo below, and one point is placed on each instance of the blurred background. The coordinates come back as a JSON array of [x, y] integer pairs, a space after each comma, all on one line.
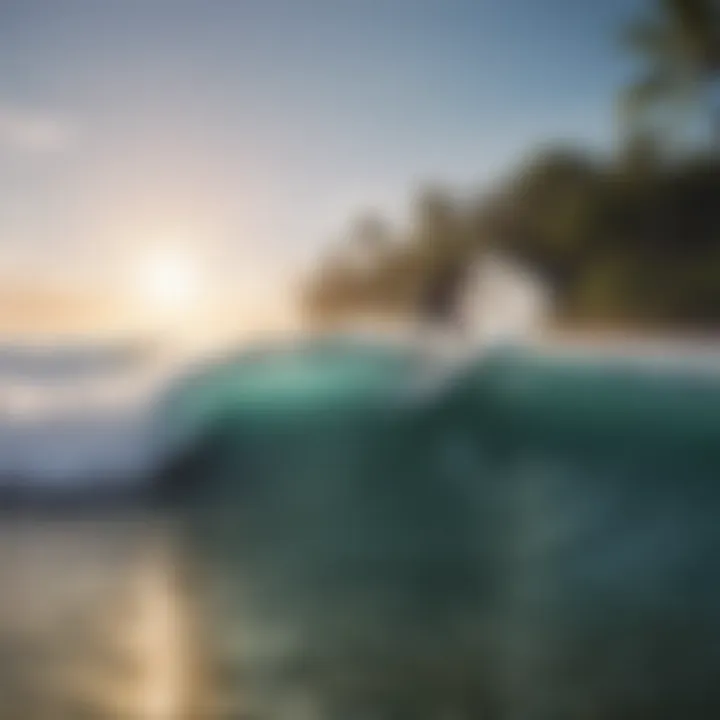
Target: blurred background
[[229, 167], [182, 181]]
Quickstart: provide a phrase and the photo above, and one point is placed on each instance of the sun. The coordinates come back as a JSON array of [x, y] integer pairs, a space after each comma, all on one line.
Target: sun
[[168, 280]]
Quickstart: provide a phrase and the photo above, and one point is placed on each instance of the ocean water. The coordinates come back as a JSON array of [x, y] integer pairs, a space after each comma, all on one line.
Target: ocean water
[[92, 620], [531, 535], [81, 415], [357, 535], [92, 623]]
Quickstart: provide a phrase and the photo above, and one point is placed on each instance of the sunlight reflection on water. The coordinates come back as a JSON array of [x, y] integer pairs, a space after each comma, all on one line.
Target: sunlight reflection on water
[[91, 624]]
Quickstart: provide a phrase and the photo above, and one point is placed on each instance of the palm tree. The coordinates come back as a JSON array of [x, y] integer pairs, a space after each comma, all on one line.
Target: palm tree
[[680, 44]]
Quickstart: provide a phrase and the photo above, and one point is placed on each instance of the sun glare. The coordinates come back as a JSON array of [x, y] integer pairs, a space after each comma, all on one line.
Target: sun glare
[[168, 280]]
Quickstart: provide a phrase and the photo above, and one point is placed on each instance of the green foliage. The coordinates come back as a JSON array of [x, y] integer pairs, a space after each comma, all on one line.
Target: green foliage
[[680, 46]]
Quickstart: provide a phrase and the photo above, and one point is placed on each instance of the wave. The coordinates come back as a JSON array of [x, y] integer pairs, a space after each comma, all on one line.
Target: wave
[[80, 414], [88, 414]]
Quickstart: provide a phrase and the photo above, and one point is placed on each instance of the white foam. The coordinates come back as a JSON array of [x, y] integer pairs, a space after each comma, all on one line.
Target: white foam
[[80, 415]]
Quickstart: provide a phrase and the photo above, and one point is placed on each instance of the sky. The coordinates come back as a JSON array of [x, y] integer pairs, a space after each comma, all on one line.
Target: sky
[[254, 130]]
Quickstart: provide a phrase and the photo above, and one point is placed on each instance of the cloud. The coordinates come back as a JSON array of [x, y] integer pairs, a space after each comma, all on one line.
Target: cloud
[[34, 132]]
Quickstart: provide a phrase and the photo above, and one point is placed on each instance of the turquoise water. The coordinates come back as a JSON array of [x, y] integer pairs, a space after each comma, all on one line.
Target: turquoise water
[[355, 534], [535, 538]]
